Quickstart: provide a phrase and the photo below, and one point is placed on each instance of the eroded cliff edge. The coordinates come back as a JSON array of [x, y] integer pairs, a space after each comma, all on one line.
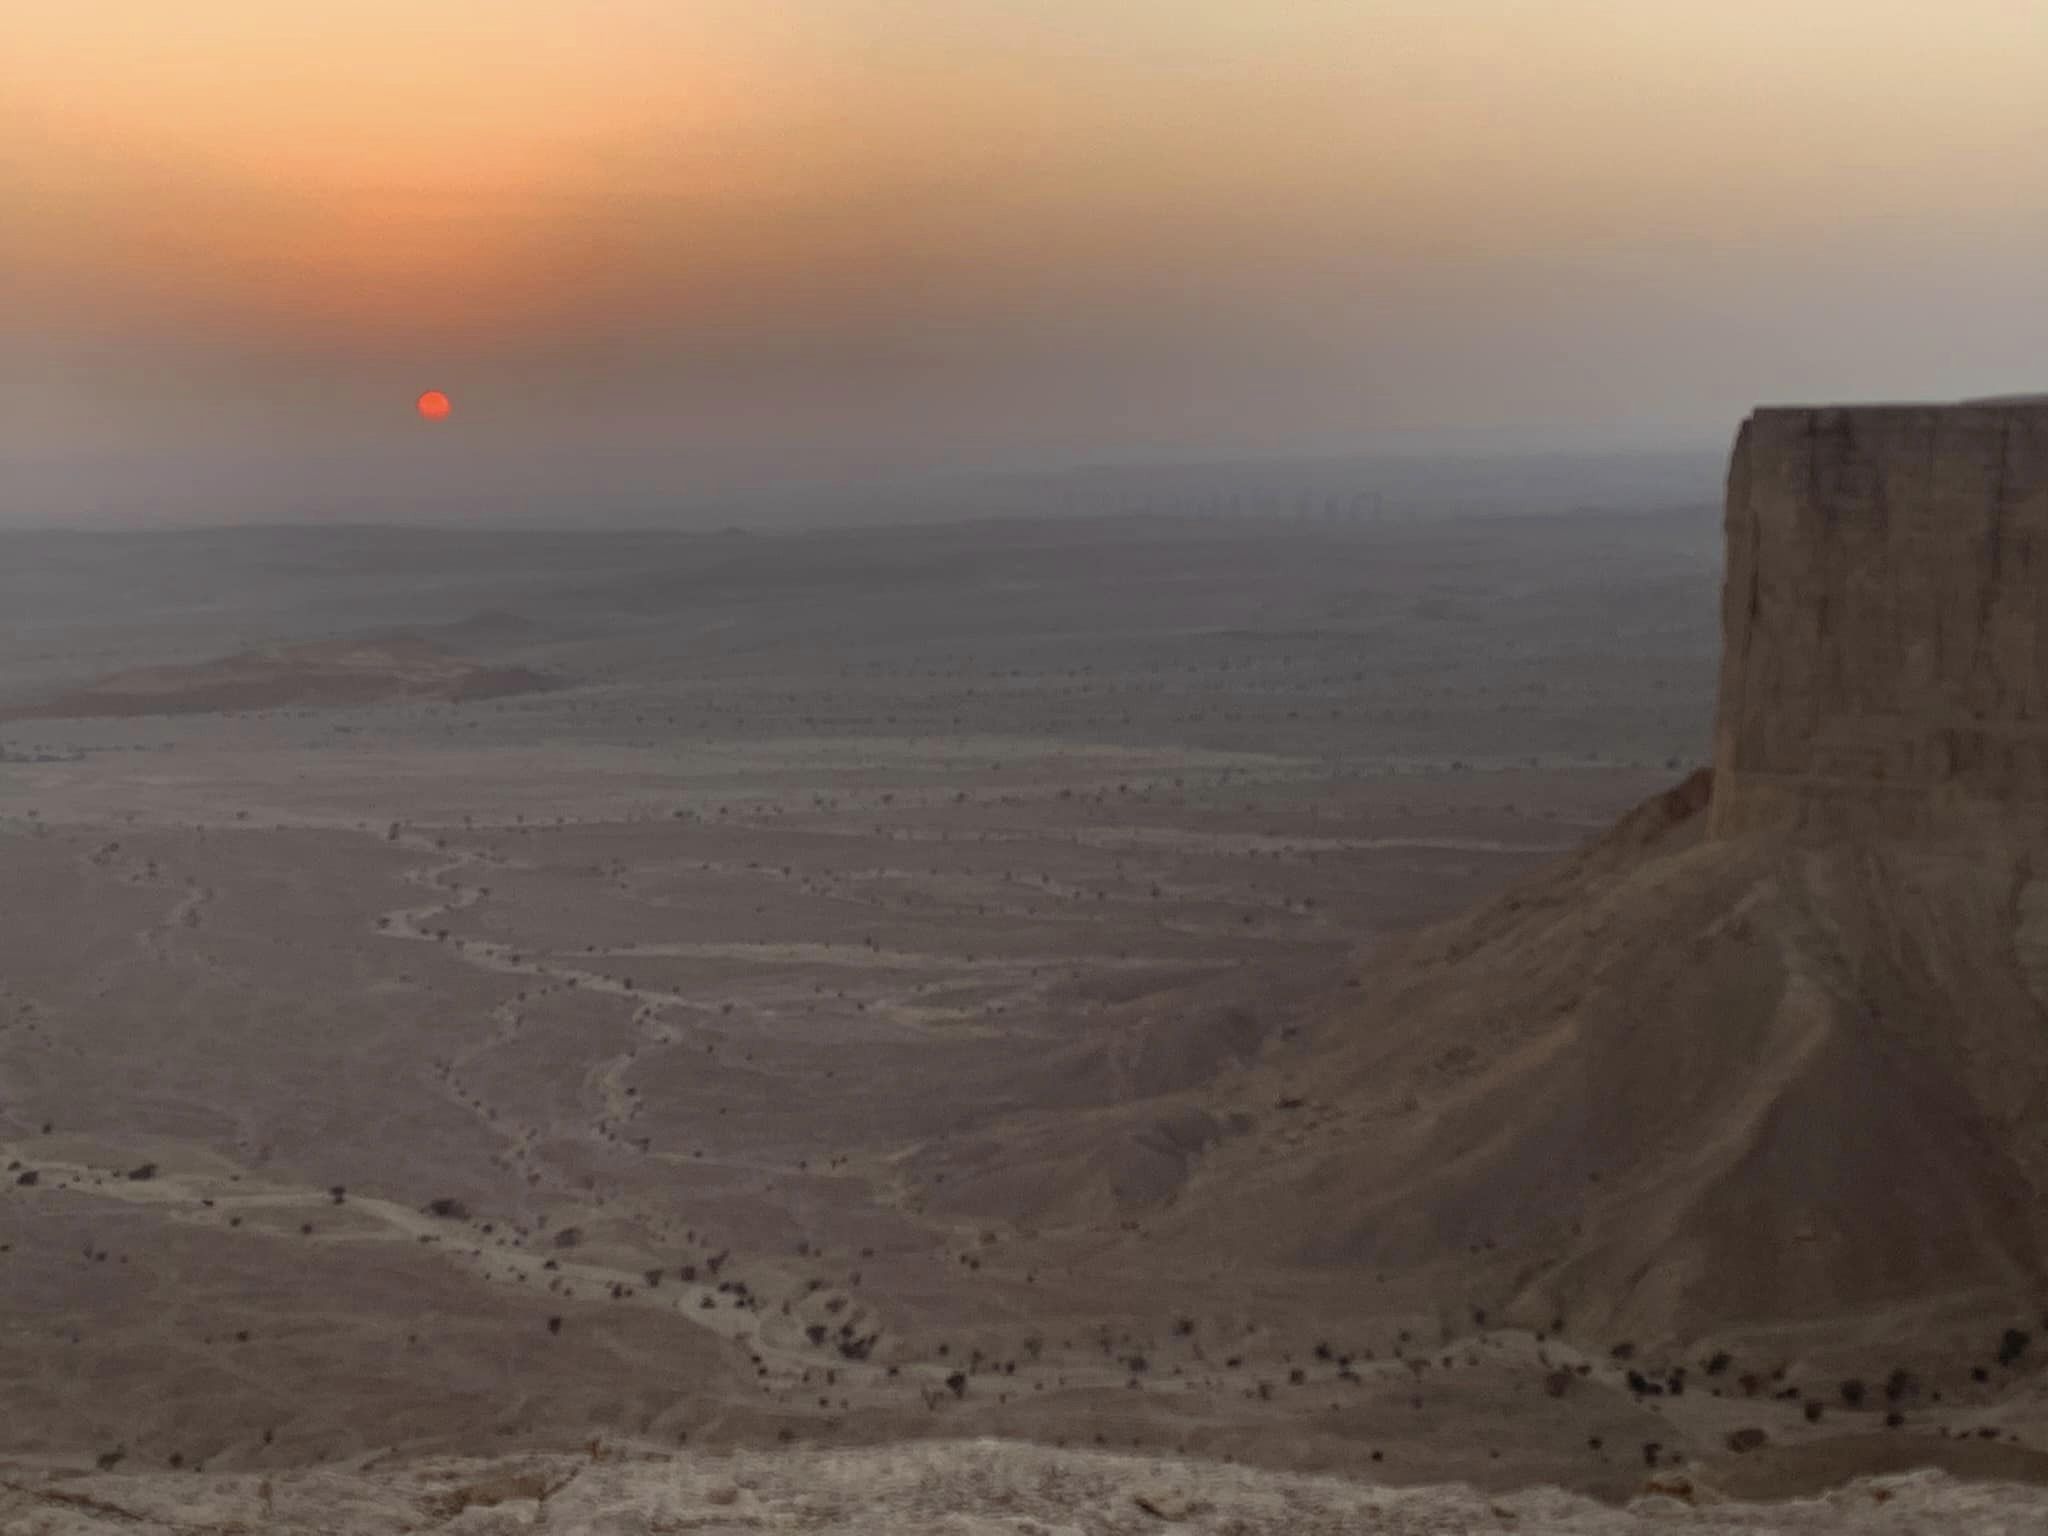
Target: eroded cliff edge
[[1885, 617]]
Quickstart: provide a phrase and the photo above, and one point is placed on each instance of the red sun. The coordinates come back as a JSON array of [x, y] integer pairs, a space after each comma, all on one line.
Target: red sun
[[433, 405]]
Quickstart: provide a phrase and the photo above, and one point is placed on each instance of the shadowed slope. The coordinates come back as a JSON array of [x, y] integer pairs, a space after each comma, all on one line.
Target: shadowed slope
[[1680, 1085]]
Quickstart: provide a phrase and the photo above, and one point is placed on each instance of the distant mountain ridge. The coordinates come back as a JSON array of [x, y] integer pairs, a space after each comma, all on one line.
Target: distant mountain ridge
[[324, 674]]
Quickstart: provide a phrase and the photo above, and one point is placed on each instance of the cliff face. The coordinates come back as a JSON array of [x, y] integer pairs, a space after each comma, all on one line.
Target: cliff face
[[1885, 616]]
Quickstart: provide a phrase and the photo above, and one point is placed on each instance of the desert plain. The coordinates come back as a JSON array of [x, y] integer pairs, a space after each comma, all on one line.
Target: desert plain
[[592, 997]]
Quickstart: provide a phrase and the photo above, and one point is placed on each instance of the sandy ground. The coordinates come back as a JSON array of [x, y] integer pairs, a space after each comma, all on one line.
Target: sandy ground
[[975, 1488]]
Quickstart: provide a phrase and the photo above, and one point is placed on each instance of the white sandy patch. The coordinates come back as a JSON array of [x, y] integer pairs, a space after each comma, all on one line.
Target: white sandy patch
[[977, 1488]]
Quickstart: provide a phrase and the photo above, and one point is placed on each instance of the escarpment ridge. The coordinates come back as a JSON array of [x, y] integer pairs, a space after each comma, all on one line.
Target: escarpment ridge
[[1769, 1060]]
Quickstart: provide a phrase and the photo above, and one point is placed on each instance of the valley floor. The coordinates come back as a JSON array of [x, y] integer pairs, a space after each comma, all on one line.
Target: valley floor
[[780, 1032]]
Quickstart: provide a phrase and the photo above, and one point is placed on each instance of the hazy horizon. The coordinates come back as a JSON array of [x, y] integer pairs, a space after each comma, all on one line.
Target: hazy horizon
[[665, 253], [562, 494]]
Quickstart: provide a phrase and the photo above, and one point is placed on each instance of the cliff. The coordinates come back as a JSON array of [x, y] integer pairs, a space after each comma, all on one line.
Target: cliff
[[1739, 1069], [1885, 616]]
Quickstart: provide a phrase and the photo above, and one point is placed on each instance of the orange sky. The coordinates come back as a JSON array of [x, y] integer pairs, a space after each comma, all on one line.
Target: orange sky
[[231, 216]]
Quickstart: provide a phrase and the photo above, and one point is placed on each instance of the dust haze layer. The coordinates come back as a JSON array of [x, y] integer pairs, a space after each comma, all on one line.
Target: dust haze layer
[[694, 250]]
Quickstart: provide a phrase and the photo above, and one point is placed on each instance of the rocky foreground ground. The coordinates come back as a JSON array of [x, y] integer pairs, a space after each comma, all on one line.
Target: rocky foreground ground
[[977, 1488]]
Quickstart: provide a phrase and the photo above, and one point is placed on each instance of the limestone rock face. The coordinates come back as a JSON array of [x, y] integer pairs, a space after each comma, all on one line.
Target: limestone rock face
[[1885, 616]]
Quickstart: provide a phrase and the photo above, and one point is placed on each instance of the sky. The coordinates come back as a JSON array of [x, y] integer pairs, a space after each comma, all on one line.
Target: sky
[[677, 247]]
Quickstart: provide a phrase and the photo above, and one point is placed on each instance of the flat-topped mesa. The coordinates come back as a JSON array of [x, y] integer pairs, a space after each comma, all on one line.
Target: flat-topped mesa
[[1884, 617]]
